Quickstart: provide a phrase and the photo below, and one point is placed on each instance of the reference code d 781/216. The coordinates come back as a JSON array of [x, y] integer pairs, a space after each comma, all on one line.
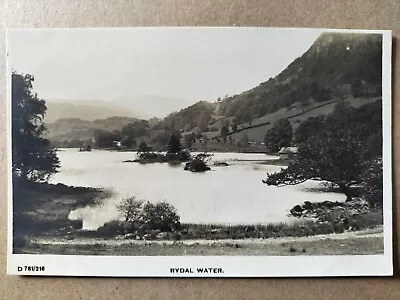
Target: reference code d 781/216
[[31, 268]]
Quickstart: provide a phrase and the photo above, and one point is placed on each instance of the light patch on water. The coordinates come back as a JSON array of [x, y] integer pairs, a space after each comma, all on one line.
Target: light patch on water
[[225, 195]]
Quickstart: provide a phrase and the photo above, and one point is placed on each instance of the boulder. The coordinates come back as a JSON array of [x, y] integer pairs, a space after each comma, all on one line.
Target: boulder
[[308, 205], [129, 236], [147, 236], [162, 235]]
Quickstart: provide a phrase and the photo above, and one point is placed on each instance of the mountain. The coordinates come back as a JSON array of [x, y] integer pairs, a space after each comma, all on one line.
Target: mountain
[[87, 110], [197, 115], [310, 86], [337, 67], [325, 71], [75, 128]]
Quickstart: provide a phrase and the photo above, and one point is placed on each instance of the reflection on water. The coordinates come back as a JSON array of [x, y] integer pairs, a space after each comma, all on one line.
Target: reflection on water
[[228, 195]]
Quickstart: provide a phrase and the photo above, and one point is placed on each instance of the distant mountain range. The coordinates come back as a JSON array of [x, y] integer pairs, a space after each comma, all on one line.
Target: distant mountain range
[[141, 107], [86, 110], [75, 128]]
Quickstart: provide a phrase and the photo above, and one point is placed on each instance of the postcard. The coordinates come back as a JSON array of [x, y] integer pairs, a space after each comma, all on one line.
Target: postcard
[[199, 152]]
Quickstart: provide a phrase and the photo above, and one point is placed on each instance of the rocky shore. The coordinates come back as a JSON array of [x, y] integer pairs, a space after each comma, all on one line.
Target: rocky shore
[[349, 215]]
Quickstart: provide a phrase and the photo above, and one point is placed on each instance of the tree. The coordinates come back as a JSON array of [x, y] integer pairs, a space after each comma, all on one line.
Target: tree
[[128, 141], [224, 132], [143, 147], [131, 209], [334, 156], [202, 122], [307, 128], [340, 152], [189, 140], [280, 135], [162, 216], [234, 125], [357, 88], [373, 184], [105, 139], [244, 140], [33, 157], [174, 144]]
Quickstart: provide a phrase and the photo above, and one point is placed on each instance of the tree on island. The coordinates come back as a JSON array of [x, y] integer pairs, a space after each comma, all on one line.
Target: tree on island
[[33, 157], [143, 147], [280, 135], [174, 144]]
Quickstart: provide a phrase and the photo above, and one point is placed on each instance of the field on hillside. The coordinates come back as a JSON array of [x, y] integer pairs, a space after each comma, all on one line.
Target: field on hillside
[[259, 127]]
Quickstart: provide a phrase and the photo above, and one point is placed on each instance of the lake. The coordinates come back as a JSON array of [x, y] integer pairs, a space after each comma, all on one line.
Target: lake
[[225, 195]]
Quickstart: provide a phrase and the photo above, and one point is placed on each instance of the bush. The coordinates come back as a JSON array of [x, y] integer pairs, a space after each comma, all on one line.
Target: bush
[[139, 215], [196, 165], [179, 156], [373, 185], [162, 216], [131, 209], [111, 229]]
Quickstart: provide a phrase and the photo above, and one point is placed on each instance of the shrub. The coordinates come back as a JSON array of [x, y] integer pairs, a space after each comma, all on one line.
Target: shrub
[[162, 216], [196, 165], [139, 216], [373, 185], [179, 156], [111, 228], [131, 209]]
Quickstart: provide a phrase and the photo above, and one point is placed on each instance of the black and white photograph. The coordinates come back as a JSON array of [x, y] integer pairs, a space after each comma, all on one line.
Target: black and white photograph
[[197, 152]]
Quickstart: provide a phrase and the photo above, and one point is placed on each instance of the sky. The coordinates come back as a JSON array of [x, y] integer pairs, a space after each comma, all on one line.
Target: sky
[[183, 63]]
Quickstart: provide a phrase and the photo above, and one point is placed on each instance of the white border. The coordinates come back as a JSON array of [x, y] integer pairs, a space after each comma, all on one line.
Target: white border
[[233, 266]]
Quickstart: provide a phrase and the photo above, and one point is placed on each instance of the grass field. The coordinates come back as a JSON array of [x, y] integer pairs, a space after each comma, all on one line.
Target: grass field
[[356, 243]]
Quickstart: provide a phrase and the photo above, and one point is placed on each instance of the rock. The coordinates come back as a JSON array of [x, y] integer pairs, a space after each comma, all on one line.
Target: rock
[[155, 231], [297, 211], [147, 236], [308, 205], [161, 235], [297, 208], [129, 236]]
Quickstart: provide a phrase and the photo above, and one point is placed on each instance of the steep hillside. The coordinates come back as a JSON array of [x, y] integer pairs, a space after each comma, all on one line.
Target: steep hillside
[[197, 116], [324, 72]]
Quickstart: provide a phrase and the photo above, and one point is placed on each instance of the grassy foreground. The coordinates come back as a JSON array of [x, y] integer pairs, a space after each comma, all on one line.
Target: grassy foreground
[[364, 242], [41, 226]]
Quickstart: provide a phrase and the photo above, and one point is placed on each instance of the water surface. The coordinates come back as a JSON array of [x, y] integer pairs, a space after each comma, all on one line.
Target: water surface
[[225, 195]]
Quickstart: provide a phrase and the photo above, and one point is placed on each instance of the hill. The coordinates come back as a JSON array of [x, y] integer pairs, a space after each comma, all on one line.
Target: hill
[[75, 128], [337, 67], [87, 110], [325, 71]]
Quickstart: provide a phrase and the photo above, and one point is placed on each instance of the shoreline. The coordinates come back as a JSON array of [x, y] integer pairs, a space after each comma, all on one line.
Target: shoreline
[[50, 204]]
